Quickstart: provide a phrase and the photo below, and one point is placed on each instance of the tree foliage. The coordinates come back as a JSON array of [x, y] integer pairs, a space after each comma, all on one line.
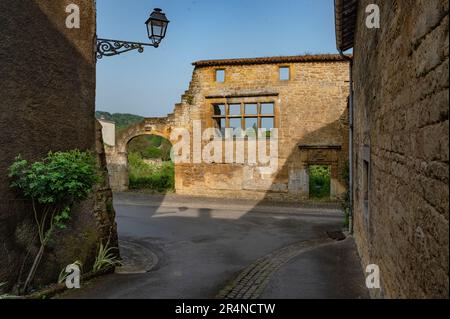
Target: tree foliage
[[122, 120]]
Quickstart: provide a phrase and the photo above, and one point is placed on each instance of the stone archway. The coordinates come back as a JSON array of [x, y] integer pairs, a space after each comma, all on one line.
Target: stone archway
[[117, 156]]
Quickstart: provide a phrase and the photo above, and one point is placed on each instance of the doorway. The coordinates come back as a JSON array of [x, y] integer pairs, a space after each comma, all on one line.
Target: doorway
[[319, 181]]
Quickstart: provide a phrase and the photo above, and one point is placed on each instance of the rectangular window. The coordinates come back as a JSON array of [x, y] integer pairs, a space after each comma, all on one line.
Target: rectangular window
[[221, 124], [220, 75], [251, 109], [267, 109], [219, 109], [284, 73], [246, 116], [268, 124], [366, 185], [251, 126], [234, 109], [366, 178], [235, 123]]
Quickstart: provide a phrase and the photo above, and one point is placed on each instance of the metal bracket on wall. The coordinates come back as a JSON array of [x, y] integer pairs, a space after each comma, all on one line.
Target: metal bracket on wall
[[107, 47]]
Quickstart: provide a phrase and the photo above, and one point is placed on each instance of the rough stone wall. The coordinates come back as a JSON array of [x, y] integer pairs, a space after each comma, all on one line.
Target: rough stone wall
[[401, 130], [47, 102], [310, 109]]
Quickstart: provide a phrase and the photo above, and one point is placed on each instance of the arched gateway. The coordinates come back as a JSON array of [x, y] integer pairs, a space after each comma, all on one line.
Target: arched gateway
[[117, 156]]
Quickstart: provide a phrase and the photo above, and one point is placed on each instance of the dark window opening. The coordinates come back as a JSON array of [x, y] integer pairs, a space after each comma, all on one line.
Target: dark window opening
[[366, 185]]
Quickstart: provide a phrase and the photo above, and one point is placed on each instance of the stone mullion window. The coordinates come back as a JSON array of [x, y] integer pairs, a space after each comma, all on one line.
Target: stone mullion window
[[259, 116], [242, 116], [259, 112]]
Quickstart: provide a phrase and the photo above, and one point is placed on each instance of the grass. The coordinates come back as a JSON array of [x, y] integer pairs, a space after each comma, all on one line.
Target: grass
[[159, 177]]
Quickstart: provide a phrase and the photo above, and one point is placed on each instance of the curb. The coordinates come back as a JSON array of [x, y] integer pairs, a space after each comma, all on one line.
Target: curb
[[57, 289]]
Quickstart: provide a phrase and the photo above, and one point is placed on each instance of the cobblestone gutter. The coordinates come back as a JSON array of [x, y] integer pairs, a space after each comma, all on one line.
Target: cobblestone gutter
[[250, 283]]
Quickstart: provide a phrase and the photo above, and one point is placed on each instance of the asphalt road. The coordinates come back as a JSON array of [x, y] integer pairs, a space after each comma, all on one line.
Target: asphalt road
[[200, 245]]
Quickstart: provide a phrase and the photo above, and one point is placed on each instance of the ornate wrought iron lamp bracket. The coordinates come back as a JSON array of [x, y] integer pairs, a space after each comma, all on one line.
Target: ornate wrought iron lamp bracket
[[107, 47]]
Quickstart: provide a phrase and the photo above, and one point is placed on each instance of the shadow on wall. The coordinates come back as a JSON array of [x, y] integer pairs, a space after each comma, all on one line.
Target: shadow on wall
[[47, 103], [320, 147]]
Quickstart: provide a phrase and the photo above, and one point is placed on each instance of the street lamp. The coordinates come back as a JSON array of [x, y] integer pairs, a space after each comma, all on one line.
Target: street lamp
[[156, 28]]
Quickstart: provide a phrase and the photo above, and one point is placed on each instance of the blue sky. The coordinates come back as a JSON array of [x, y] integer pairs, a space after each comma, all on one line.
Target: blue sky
[[150, 83]]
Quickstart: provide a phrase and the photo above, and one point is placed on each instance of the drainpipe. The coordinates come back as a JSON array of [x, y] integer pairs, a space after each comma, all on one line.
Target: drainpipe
[[350, 142]]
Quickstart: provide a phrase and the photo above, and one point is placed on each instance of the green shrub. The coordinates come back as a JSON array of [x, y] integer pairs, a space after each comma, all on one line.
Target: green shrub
[[53, 186], [319, 181], [142, 175], [152, 152]]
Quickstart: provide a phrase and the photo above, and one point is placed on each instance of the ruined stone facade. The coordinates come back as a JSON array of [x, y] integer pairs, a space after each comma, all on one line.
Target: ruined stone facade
[[47, 102], [401, 149], [309, 109]]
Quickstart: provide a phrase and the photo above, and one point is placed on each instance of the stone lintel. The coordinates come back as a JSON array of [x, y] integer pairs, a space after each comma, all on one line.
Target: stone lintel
[[255, 94], [315, 147]]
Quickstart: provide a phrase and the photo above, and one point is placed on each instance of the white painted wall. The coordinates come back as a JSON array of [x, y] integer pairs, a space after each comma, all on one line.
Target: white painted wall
[[108, 132]]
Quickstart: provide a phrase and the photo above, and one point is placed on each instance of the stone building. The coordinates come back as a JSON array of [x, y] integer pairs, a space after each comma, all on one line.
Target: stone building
[[47, 102], [303, 97], [400, 157]]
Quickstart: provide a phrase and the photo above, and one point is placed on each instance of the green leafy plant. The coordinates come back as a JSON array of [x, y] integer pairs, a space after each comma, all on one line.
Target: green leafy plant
[[105, 257], [152, 152], [53, 185], [155, 176], [319, 181], [63, 274]]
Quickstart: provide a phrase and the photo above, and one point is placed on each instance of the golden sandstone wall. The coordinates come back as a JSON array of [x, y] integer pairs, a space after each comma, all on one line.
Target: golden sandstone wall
[[309, 110], [310, 115], [401, 146]]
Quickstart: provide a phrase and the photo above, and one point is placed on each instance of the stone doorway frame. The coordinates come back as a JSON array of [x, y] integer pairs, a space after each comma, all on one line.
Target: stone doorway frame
[[324, 155]]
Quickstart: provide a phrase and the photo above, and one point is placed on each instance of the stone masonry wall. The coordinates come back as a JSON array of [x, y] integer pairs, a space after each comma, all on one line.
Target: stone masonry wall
[[47, 102], [401, 131], [310, 108]]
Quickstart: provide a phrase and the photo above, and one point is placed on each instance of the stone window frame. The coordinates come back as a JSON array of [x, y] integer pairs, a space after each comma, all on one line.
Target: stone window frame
[[243, 115], [216, 75], [280, 67]]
